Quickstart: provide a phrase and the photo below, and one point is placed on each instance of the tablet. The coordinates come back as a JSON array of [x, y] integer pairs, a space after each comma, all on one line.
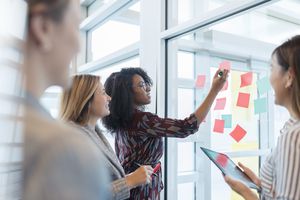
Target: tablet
[[228, 167]]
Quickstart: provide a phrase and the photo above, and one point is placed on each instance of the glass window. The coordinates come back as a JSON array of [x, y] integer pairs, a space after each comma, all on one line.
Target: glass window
[[185, 102], [108, 70], [185, 65], [186, 191], [246, 41], [186, 157], [119, 32], [185, 10]]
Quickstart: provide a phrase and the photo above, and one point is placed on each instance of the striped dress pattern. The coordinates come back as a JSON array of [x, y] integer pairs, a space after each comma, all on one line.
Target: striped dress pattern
[[280, 173]]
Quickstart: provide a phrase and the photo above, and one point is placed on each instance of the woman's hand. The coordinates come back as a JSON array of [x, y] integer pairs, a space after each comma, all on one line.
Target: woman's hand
[[251, 174], [241, 188], [219, 81], [140, 176]]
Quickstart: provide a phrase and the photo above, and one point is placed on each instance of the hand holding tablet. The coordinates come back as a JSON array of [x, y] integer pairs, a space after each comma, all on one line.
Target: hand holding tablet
[[228, 167]]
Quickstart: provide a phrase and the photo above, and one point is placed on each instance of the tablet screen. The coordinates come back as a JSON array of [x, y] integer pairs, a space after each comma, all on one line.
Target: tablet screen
[[228, 167]]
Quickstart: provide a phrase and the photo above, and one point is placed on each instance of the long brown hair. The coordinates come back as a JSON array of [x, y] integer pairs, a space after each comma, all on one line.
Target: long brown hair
[[76, 100], [288, 55]]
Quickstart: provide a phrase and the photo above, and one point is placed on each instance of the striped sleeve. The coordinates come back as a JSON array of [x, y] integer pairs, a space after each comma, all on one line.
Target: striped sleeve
[[120, 189], [288, 166]]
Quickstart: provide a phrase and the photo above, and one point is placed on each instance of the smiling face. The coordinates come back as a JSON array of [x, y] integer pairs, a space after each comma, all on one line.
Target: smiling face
[[281, 81], [141, 91], [100, 104]]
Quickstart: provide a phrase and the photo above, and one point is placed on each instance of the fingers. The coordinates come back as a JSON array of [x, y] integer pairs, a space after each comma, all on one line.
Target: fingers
[[224, 75], [149, 171], [250, 173]]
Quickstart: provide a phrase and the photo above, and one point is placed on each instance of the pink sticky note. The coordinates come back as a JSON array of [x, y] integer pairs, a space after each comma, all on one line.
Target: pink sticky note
[[225, 65], [246, 79], [243, 100], [200, 81], [219, 126], [238, 133], [222, 160], [220, 104], [225, 87]]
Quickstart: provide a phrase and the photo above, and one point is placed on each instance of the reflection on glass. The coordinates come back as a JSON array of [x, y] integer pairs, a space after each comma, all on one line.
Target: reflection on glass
[[241, 116]]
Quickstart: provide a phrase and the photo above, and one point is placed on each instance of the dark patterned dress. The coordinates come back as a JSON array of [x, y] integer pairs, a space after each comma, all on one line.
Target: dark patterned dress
[[143, 144]]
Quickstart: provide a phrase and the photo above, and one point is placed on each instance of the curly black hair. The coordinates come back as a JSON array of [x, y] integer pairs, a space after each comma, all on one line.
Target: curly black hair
[[119, 87]]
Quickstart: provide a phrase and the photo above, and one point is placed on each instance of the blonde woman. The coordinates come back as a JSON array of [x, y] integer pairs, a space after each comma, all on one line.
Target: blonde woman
[[83, 105]]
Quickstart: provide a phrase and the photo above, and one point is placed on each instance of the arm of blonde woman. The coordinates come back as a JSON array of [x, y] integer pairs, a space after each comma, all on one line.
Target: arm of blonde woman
[[121, 187], [241, 188], [140, 176], [217, 85]]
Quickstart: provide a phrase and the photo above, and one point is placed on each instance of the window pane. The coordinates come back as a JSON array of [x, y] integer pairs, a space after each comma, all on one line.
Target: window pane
[[107, 71], [186, 156], [184, 10], [185, 105], [185, 65], [186, 191]]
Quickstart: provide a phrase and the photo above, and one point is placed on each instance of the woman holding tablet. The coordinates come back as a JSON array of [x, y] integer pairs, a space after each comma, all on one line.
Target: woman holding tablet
[[280, 174]]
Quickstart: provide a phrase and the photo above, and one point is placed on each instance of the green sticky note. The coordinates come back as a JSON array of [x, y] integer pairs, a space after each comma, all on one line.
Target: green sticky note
[[260, 105], [228, 121], [263, 85]]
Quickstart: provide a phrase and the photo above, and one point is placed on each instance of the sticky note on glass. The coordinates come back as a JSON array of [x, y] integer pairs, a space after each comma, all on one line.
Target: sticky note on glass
[[219, 126], [228, 121], [238, 133], [225, 65], [260, 105], [246, 79], [200, 82], [222, 160], [263, 85], [220, 104], [243, 100], [225, 87]]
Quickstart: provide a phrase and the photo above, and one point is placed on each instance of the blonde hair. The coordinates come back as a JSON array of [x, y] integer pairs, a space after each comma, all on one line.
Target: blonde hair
[[76, 100]]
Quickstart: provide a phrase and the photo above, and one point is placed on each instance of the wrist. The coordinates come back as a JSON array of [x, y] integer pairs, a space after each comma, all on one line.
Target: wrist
[[249, 195], [130, 181], [213, 92]]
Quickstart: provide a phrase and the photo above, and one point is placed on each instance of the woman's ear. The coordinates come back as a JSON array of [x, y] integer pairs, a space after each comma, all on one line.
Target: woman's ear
[[40, 28], [290, 77]]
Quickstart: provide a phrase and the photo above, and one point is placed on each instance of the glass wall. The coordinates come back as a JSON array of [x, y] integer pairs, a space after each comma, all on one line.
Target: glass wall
[[242, 119]]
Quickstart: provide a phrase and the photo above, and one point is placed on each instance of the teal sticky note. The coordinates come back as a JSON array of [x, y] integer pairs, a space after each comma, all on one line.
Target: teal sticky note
[[228, 121], [260, 105], [263, 85]]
